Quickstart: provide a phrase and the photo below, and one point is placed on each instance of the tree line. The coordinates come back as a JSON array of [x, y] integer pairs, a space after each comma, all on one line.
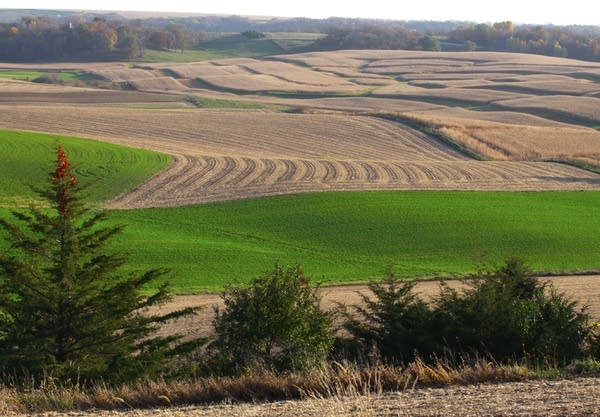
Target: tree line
[[42, 38], [114, 37], [542, 40]]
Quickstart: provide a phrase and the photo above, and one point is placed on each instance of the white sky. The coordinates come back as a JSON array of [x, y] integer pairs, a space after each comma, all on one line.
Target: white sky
[[520, 11]]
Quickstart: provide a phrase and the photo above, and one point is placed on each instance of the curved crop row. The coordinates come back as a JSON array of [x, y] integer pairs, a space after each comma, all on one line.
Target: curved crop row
[[210, 178]]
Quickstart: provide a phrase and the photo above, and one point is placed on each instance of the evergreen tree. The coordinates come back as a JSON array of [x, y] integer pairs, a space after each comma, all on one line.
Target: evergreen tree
[[65, 309]]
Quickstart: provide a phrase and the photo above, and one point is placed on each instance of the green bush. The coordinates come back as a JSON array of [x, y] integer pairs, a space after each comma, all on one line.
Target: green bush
[[273, 324], [507, 314], [510, 314], [396, 323]]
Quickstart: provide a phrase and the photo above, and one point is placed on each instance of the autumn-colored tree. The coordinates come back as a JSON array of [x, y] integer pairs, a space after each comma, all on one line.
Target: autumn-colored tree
[[65, 310]]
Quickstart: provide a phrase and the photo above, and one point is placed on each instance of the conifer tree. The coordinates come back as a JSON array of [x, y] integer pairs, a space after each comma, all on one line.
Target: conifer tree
[[65, 307]]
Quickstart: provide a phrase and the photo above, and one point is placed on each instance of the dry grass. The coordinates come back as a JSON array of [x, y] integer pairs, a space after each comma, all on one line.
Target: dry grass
[[338, 389], [579, 107], [336, 380], [507, 141]]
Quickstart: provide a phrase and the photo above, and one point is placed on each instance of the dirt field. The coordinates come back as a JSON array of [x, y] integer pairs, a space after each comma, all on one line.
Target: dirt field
[[584, 289]]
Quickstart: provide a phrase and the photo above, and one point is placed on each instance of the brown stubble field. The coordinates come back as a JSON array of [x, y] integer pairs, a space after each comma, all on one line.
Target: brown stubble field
[[228, 154]]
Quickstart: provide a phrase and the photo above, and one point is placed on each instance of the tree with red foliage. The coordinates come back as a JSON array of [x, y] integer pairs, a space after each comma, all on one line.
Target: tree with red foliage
[[65, 310]]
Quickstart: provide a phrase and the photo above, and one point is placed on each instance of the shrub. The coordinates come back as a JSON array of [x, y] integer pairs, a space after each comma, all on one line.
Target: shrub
[[509, 314], [274, 324], [253, 34], [396, 323], [49, 78]]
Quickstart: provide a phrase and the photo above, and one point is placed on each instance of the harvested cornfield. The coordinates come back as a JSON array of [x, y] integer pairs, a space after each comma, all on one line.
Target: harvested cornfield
[[517, 141], [584, 108], [157, 84], [333, 145], [503, 117], [236, 133], [123, 74], [466, 95], [547, 85], [363, 104], [224, 155], [24, 93], [250, 75]]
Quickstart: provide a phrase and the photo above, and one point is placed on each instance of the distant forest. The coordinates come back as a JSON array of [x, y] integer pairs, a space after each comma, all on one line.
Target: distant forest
[[95, 36]]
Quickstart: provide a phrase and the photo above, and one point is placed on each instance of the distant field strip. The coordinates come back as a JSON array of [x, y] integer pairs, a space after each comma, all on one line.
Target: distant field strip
[[236, 133], [193, 180], [226, 155]]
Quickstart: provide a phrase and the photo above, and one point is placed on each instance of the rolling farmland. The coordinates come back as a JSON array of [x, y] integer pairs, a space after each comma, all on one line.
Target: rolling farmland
[[230, 154], [351, 121], [435, 165]]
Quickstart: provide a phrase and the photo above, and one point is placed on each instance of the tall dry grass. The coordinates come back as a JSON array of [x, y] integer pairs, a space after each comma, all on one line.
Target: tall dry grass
[[338, 379]]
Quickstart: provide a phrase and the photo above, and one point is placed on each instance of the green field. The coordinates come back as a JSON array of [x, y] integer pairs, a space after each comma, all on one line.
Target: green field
[[343, 237], [23, 75], [337, 237], [234, 46], [26, 158]]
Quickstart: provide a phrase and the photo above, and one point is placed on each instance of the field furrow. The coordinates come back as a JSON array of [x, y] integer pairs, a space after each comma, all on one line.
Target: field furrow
[[225, 178]]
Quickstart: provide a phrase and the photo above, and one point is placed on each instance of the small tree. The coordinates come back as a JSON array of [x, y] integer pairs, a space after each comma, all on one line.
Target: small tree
[[64, 308], [274, 323], [395, 322], [430, 43]]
